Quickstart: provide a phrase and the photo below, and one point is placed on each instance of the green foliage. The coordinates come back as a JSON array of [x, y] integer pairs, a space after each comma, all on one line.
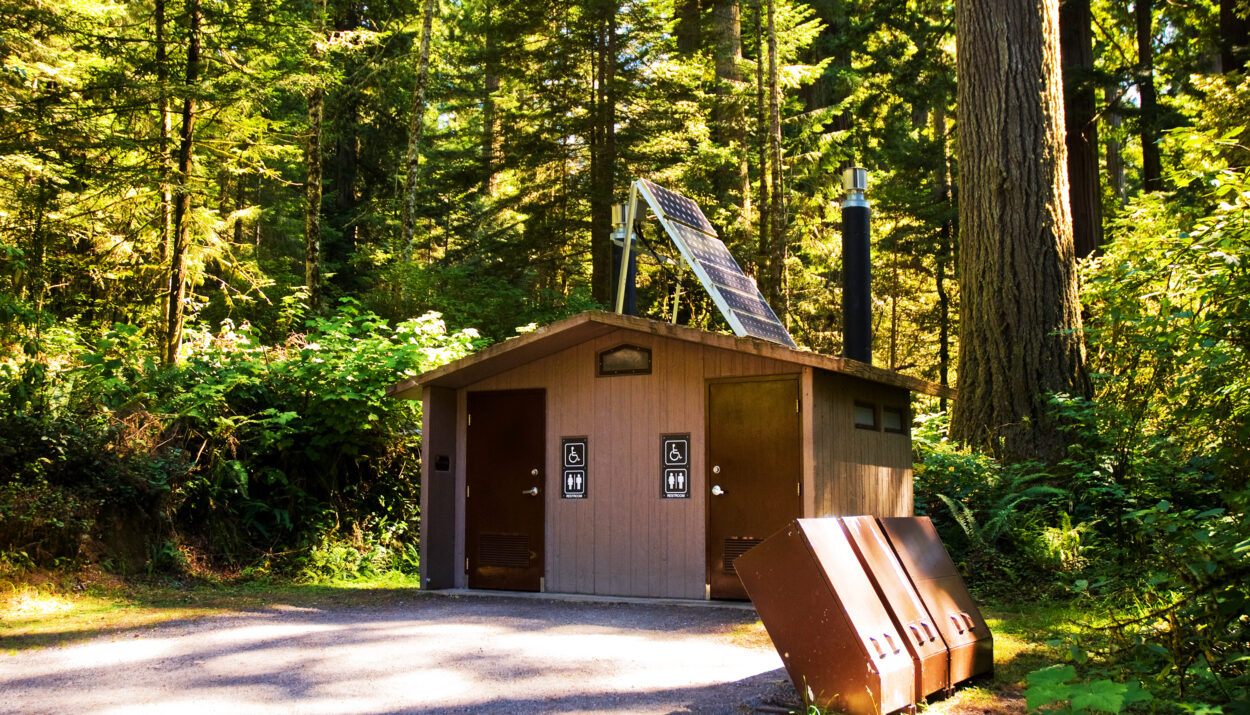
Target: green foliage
[[998, 519], [294, 438], [1170, 316], [368, 552], [1174, 574], [1157, 462], [1187, 625], [1055, 689], [72, 468], [490, 298], [243, 449]]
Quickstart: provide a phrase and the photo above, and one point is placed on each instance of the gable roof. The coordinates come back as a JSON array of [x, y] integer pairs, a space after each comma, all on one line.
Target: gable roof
[[557, 336]]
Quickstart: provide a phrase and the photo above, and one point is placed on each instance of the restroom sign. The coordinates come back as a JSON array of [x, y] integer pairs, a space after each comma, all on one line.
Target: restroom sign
[[574, 474], [675, 466]]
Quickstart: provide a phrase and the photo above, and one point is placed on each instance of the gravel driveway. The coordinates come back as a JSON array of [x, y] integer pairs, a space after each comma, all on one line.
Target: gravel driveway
[[430, 653]]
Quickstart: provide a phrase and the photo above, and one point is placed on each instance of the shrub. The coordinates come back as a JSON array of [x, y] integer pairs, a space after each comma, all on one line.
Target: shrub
[[244, 450]]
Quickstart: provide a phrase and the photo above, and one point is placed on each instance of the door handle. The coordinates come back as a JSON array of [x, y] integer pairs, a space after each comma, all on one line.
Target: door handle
[[717, 491], [531, 492]]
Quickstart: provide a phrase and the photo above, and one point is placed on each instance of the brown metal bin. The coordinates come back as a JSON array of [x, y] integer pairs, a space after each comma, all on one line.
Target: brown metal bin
[[835, 637], [907, 610], [933, 573]]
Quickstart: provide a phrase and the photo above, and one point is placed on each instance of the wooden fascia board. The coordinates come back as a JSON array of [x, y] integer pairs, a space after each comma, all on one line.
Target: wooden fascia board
[[506, 355], [565, 333]]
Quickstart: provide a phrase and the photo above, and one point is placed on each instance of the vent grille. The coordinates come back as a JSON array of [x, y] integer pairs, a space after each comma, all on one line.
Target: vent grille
[[506, 550], [736, 546]]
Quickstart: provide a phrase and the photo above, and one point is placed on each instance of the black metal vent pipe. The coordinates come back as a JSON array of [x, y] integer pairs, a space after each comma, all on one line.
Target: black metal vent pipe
[[856, 268], [618, 244]]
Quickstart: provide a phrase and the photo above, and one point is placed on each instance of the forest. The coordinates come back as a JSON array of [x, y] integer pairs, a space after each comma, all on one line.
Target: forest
[[227, 227]]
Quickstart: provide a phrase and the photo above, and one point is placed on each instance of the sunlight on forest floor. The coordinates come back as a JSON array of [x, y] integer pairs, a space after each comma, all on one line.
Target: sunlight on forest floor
[[32, 603], [46, 614]]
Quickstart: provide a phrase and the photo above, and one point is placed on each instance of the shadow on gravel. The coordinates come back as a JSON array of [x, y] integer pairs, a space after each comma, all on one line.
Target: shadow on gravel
[[411, 652]]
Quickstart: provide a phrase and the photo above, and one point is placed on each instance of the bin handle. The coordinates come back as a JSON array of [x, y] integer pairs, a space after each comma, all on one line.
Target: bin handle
[[958, 623], [928, 631], [877, 645], [916, 631], [890, 639], [968, 619]]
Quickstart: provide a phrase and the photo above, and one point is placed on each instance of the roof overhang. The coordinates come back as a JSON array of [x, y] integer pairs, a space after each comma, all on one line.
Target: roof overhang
[[566, 333]]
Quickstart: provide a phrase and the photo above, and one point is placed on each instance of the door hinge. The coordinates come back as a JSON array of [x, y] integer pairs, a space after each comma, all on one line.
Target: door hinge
[[466, 491], [798, 489], [470, 421], [797, 406], [466, 564]]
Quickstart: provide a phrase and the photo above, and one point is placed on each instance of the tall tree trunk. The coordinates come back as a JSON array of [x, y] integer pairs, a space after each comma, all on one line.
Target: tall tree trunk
[[1020, 329], [1115, 160], [344, 158], [1080, 113], [942, 196], [762, 273], [312, 158], [777, 258], [164, 218], [689, 24], [1234, 36], [835, 44], [240, 202], [733, 187], [181, 230], [603, 154], [345, 168], [490, 128], [416, 131], [894, 291], [1152, 165]]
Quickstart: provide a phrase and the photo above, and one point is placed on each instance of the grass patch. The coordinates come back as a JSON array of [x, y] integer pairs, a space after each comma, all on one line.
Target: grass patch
[[750, 635], [1021, 633], [45, 612]]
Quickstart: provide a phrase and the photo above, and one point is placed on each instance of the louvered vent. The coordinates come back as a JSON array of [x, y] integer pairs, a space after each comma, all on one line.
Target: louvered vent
[[506, 550], [736, 546]]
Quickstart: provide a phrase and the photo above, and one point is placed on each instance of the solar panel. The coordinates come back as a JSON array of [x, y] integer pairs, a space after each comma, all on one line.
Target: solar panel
[[736, 295], [677, 207]]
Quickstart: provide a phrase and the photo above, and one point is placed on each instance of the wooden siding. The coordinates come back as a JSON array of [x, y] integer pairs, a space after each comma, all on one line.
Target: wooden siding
[[807, 419], [858, 471], [439, 493], [624, 539]]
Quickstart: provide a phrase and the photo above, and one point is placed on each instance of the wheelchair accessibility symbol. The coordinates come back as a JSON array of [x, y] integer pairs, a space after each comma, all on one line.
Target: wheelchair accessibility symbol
[[675, 451]]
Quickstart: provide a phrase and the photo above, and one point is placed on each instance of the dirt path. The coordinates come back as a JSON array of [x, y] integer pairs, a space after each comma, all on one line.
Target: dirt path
[[431, 654]]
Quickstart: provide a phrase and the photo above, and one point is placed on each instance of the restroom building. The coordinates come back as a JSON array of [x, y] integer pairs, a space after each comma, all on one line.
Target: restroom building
[[615, 455]]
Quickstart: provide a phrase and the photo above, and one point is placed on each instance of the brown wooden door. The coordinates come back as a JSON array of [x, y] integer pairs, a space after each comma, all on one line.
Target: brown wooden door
[[754, 471], [504, 504]]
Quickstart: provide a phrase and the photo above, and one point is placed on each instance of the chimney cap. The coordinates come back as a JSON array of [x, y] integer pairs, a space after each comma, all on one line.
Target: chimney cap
[[854, 179]]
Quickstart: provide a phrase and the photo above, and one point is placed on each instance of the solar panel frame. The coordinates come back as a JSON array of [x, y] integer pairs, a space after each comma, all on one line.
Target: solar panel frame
[[735, 295]]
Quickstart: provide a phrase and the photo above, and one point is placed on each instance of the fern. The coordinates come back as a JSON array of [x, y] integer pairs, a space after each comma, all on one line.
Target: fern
[[966, 520], [1002, 514]]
